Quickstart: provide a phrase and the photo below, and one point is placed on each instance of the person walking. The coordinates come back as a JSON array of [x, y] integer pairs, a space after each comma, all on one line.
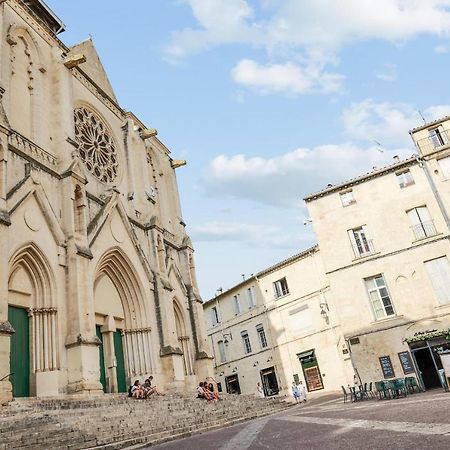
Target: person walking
[[295, 392], [303, 392], [259, 391]]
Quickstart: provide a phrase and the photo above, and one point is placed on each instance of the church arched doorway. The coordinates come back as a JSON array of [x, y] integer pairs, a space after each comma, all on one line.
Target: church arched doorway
[[120, 317]]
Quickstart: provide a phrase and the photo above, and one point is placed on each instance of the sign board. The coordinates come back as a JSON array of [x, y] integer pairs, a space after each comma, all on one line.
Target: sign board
[[406, 362], [386, 366]]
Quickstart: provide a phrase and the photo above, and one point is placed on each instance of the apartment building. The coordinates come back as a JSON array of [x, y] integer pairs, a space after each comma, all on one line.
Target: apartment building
[[277, 327], [384, 240]]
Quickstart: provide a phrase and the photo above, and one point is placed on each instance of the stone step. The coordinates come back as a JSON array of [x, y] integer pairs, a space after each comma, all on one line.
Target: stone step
[[118, 421]]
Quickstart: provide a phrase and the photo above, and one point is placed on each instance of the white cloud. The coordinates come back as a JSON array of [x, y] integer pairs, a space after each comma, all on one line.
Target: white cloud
[[221, 22], [303, 38], [441, 49], [387, 73], [285, 179], [385, 122], [259, 235], [317, 27], [287, 77]]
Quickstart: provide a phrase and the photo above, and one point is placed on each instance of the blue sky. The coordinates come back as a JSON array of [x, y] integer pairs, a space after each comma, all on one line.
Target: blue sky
[[268, 100]]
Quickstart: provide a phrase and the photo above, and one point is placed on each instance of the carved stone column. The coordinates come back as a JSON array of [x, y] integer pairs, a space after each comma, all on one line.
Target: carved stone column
[[5, 328], [81, 340]]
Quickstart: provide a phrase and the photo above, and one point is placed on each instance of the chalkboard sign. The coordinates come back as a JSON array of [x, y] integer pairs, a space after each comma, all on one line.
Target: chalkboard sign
[[406, 362], [386, 366]]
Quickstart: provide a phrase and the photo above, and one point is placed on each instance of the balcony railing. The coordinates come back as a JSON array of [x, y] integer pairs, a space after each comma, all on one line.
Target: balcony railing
[[435, 142], [364, 248], [424, 230]]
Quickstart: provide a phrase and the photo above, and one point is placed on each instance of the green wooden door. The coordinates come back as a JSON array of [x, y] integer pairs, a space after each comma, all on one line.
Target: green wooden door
[[120, 369], [20, 351], [101, 358]]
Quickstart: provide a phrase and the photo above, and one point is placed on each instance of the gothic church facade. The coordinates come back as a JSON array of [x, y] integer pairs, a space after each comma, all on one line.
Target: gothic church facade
[[97, 274]]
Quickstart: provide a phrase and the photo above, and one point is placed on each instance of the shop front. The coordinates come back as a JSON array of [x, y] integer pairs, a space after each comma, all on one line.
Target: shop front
[[426, 347]]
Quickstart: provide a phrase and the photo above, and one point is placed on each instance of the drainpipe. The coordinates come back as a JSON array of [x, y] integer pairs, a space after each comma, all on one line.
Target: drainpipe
[[423, 165]]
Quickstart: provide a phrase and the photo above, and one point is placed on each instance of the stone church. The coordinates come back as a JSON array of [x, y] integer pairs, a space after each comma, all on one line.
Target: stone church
[[97, 274]]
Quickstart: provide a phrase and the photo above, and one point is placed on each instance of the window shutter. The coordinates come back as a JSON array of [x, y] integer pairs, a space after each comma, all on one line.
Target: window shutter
[[423, 214], [444, 164], [414, 217], [439, 273]]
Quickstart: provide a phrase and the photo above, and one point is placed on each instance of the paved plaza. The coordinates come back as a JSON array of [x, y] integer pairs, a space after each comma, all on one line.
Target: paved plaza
[[420, 421]]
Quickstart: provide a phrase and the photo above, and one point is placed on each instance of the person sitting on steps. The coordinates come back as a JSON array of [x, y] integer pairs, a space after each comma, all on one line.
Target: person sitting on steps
[[149, 389], [137, 391]]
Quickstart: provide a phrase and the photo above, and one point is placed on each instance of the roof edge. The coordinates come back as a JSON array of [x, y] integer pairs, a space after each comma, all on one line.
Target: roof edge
[[362, 178]]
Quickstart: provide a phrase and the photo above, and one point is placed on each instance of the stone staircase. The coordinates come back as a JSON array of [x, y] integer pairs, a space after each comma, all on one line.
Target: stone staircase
[[114, 421]]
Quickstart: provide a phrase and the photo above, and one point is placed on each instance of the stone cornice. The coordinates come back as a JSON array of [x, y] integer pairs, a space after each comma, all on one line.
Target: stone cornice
[[36, 24], [93, 87]]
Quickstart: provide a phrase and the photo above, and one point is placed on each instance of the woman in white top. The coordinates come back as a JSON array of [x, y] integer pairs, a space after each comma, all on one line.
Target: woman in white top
[[259, 391]]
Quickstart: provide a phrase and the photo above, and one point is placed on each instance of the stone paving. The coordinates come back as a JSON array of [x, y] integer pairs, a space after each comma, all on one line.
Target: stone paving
[[420, 421]]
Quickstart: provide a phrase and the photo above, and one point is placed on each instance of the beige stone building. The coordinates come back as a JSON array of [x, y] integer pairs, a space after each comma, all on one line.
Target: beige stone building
[[276, 327], [381, 279], [97, 276], [384, 240]]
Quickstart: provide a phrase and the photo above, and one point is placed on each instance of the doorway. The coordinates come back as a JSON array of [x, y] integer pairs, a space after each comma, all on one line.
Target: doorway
[[120, 363], [232, 384], [311, 371], [20, 352], [427, 368], [269, 381], [101, 358]]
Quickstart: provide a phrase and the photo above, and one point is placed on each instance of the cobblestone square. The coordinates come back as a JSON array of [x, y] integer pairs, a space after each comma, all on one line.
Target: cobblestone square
[[420, 421]]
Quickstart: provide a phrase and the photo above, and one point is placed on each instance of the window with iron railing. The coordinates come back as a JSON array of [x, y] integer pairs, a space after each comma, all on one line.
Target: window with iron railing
[[437, 138], [361, 244], [422, 225]]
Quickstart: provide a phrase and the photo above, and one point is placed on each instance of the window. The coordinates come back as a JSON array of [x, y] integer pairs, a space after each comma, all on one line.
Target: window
[[251, 297], [405, 179], [347, 198], [379, 297], [214, 315], [300, 320], [439, 273], [246, 342], [280, 288], [362, 245], [221, 351], [261, 335], [438, 136], [237, 304], [422, 225], [444, 164]]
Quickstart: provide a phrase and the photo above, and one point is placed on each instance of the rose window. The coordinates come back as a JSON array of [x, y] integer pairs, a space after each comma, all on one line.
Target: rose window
[[95, 145]]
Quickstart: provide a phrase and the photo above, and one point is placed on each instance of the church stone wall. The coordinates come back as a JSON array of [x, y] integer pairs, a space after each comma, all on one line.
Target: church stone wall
[[92, 240]]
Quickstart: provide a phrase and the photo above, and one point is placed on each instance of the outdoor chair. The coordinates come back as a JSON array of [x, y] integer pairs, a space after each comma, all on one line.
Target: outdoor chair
[[355, 394], [382, 389], [411, 385], [345, 394], [363, 391], [372, 394], [397, 388]]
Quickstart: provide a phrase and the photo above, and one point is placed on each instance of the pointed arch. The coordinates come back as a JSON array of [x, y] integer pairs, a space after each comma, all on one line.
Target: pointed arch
[[180, 323], [116, 265], [31, 259], [30, 265]]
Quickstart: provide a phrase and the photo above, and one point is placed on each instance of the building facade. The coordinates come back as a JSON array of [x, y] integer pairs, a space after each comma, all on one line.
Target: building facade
[[373, 303], [276, 327], [384, 239], [97, 274]]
